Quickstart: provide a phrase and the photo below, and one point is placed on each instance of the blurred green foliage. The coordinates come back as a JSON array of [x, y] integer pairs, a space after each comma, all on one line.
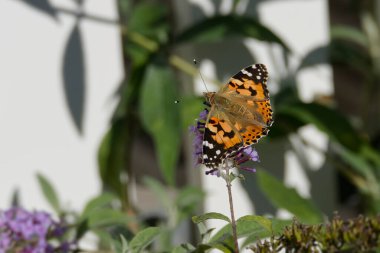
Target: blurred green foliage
[[146, 105], [152, 84]]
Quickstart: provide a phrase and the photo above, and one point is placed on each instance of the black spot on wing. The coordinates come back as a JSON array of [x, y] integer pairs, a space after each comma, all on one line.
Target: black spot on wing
[[211, 157]]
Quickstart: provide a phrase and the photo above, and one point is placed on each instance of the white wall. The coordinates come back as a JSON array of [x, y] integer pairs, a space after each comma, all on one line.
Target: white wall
[[37, 133]]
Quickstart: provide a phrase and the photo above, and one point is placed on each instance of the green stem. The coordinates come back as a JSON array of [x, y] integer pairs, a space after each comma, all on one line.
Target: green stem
[[233, 221], [143, 41]]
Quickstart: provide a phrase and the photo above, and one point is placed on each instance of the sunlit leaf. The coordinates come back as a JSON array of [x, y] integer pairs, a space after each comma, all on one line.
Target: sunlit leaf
[[288, 198], [49, 193], [106, 217], [210, 216], [143, 239], [124, 244], [250, 228], [161, 117], [100, 201], [184, 248], [277, 227], [261, 220], [349, 33]]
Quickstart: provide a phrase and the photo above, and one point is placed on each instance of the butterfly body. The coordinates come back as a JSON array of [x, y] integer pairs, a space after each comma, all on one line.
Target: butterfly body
[[240, 115]]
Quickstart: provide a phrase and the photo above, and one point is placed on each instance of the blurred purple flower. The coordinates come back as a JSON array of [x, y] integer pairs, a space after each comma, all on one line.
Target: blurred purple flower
[[30, 232], [244, 155], [198, 131]]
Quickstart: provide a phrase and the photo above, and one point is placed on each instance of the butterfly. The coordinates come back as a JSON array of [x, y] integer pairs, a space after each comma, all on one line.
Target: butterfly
[[240, 114]]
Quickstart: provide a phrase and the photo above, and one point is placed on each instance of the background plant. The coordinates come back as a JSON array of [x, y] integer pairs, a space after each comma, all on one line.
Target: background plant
[[153, 70]]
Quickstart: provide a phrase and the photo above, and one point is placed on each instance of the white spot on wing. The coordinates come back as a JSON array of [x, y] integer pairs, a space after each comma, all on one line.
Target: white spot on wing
[[245, 72]]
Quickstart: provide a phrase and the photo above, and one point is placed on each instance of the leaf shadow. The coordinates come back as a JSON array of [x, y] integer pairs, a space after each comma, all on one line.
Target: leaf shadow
[[74, 77], [43, 6]]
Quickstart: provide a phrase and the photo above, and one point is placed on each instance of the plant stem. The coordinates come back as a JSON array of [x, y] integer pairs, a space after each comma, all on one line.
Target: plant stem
[[233, 221]]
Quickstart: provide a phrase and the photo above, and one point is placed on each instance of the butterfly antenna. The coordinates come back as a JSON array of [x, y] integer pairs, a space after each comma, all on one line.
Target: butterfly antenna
[[200, 74]]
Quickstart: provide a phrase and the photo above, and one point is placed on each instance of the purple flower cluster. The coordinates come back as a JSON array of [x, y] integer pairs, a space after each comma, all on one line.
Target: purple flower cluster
[[241, 156], [198, 131], [22, 231]]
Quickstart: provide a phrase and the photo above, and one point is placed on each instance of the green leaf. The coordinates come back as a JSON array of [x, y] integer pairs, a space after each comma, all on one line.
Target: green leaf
[[219, 28], [81, 230], [341, 53], [161, 117], [149, 19], [277, 229], [188, 200], [349, 33], [124, 244], [319, 55], [15, 199], [49, 193], [362, 174], [100, 201], [210, 216], [250, 227], [106, 217], [160, 191], [288, 198], [183, 248], [111, 158], [190, 108], [143, 239], [330, 121], [261, 220]]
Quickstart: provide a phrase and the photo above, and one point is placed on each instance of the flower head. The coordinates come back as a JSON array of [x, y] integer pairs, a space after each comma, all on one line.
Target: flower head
[[198, 131], [29, 231]]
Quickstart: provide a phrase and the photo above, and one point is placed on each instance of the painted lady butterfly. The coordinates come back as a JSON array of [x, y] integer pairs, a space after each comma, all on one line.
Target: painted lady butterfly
[[240, 115]]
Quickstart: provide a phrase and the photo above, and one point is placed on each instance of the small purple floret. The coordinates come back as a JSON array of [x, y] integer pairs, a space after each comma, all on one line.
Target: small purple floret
[[29, 232], [198, 130], [203, 115]]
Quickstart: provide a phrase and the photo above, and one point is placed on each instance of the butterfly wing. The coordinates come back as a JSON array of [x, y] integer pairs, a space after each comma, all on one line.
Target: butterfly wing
[[220, 139], [245, 99]]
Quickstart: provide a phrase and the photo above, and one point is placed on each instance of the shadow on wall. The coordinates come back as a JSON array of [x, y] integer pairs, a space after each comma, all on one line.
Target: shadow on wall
[[73, 70]]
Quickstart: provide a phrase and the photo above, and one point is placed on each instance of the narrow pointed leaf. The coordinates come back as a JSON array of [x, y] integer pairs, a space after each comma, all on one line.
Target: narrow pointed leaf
[[261, 220], [219, 28], [287, 198], [328, 120], [49, 193], [210, 216], [143, 239], [160, 116]]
